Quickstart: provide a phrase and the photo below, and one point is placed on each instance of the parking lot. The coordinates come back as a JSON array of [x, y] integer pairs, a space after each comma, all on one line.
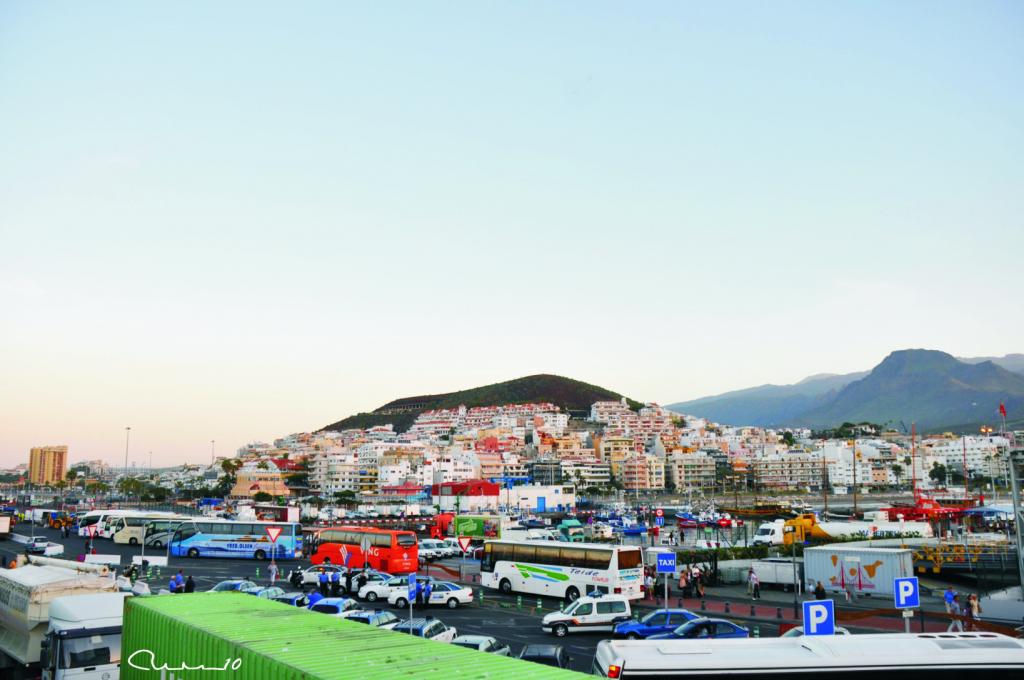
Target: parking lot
[[513, 620]]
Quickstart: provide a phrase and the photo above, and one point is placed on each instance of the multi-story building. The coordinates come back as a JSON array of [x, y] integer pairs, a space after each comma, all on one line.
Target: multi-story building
[[586, 471], [252, 479], [788, 471], [690, 470], [47, 464]]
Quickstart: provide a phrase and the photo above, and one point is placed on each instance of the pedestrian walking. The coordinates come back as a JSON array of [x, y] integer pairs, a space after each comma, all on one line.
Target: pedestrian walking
[[179, 581], [348, 581], [972, 610], [190, 584], [755, 584], [947, 599], [323, 583], [649, 584], [335, 584], [750, 581], [819, 592], [684, 584], [361, 581], [956, 612], [272, 570], [427, 589]]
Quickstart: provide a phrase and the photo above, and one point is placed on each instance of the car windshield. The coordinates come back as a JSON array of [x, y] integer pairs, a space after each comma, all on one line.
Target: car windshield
[[569, 608], [652, 615], [467, 643], [226, 585], [688, 629]]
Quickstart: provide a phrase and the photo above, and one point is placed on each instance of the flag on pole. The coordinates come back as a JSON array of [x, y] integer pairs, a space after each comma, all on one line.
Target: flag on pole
[[1002, 409]]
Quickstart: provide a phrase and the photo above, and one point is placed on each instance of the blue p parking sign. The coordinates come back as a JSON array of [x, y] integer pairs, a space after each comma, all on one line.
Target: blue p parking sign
[[819, 617], [666, 563], [906, 593]]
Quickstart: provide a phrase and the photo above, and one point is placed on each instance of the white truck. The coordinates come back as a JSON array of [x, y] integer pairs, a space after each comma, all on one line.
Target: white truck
[[27, 597]]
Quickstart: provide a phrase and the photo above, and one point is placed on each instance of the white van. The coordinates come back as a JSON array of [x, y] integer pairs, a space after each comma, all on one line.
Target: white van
[[588, 614]]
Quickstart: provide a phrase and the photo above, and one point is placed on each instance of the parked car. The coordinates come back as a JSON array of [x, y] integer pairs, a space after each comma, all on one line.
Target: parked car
[[234, 584], [336, 606], [37, 545], [483, 643], [441, 592], [268, 593], [295, 599], [588, 614], [373, 578], [658, 621], [378, 618], [430, 549], [704, 629], [549, 655], [311, 575], [453, 545], [380, 590], [798, 631], [429, 628]]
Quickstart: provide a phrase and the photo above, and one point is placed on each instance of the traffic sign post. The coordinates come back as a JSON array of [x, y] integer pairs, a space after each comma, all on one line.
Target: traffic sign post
[[659, 521], [666, 565], [272, 534], [819, 617], [907, 594], [411, 592]]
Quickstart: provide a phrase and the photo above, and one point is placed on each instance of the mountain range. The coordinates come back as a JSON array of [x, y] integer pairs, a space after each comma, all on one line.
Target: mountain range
[[935, 390], [571, 395]]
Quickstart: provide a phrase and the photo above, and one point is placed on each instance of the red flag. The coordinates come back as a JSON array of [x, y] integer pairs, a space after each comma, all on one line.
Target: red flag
[[1002, 409]]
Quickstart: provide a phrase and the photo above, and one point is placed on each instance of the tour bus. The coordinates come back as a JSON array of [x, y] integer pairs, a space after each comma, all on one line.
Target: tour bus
[[159, 531], [562, 569], [219, 538], [112, 522], [98, 519], [924, 656], [131, 529], [391, 551]]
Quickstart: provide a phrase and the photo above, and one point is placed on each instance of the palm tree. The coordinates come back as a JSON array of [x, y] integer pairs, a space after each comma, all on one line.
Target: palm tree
[[897, 471]]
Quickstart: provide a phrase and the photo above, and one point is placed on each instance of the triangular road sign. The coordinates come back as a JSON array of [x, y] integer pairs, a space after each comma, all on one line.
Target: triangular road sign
[[274, 532]]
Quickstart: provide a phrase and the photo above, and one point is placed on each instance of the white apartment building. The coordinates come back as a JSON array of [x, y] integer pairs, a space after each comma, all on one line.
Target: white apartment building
[[690, 470], [585, 471], [985, 455]]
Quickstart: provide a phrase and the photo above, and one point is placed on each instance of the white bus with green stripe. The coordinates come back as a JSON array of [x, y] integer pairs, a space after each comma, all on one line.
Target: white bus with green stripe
[[565, 570]]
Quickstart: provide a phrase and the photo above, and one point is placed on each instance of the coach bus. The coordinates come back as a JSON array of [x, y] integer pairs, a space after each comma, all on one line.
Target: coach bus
[[561, 569], [924, 656], [391, 551], [218, 538], [131, 529]]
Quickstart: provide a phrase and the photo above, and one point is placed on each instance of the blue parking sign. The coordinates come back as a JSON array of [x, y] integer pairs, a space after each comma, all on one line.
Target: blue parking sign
[[412, 587], [666, 563], [906, 593], [819, 617], [659, 521]]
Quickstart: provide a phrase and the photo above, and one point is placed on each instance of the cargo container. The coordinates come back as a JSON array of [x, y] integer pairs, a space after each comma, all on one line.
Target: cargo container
[[862, 571], [260, 639], [777, 571]]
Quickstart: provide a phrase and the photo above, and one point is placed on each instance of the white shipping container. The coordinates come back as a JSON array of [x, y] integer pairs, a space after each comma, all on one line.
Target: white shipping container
[[863, 571]]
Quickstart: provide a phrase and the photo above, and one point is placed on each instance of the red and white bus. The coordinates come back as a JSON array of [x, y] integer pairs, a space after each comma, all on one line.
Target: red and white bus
[[391, 551]]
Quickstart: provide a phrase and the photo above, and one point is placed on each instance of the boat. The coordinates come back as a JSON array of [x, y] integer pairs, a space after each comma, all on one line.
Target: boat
[[760, 508]]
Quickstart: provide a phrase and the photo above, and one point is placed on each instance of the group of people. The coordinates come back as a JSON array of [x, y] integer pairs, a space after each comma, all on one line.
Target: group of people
[[691, 582], [329, 583], [963, 614], [180, 584]]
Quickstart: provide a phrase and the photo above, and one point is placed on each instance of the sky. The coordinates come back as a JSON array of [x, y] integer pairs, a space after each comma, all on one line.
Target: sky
[[232, 221]]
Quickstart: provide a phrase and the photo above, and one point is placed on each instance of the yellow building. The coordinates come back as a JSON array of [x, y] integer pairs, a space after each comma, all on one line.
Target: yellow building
[[47, 464], [251, 481]]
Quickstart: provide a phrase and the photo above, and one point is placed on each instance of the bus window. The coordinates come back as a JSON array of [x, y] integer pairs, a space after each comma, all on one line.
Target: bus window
[[548, 554], [629, 559], [574, 557], [525, 553], [406, 540], [598, 559]]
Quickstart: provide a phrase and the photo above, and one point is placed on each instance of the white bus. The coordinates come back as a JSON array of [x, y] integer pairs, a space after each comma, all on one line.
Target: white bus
[[132, 529], [97, 518], [159, 531], [925, 656], [114, 523], [565, 570]]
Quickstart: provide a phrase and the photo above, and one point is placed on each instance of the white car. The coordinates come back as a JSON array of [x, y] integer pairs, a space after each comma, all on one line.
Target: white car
[[430, 549], [311, 575], [429, 628], [441, 592], [343, 607], [381, 590], [588, 614]]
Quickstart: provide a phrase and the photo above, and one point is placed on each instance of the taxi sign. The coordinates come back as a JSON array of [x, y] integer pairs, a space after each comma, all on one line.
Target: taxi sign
[[274, 532], [464, 543], [666, 563]]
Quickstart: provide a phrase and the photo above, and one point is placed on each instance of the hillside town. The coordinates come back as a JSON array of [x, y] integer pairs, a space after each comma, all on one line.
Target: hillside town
[[613, 449]]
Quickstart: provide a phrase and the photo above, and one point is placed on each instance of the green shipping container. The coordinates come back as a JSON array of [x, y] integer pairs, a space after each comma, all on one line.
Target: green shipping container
[[478, 526], [258, 639]]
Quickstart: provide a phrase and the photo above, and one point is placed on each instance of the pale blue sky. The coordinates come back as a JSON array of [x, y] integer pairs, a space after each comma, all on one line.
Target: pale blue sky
[[237, 220]]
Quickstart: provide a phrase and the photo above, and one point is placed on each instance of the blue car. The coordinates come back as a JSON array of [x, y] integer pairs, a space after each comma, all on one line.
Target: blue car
[[658, 621], [704, 629]]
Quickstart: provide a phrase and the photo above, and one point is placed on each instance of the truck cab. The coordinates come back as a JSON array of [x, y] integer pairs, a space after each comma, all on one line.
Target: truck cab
[[770, 533], [83, 640], [572, 530]]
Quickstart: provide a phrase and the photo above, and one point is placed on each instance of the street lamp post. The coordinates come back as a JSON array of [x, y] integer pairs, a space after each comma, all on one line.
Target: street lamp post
[[791, 530], [127, 434], [213, 443]]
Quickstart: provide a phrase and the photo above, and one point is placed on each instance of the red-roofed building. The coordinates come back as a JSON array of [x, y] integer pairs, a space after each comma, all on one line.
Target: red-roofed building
[[468, 496]]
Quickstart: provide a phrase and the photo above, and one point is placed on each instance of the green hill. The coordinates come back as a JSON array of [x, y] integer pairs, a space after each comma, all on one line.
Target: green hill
[[571, 395]]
